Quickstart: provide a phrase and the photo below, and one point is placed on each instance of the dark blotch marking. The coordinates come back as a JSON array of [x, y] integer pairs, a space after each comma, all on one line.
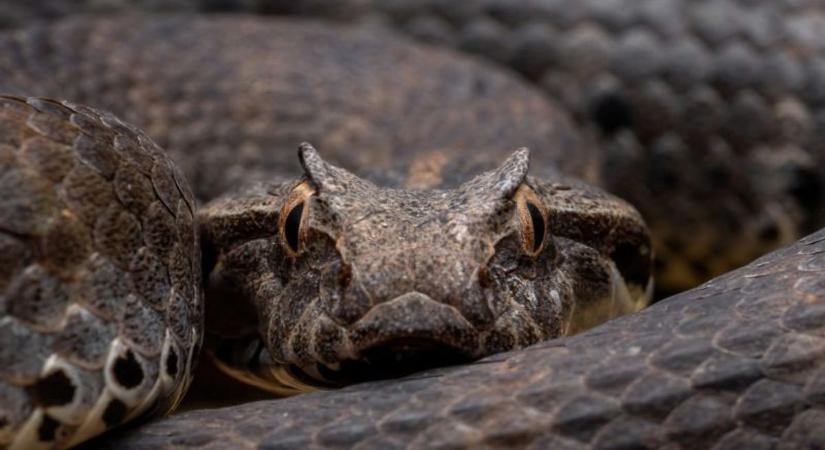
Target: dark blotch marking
[[633, 264], [47, 430], [292, 226], [612, 113], [538, 225], [172, 363], [114, 413], [127, 371], [56, 389]]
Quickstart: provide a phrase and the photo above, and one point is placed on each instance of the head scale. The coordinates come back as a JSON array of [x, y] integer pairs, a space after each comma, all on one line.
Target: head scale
[[359, 281]]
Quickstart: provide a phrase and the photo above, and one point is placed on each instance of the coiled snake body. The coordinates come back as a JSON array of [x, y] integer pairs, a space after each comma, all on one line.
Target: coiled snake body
[[438, 248]]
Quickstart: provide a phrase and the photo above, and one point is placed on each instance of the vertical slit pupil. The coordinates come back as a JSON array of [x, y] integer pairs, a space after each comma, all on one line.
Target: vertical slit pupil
[[293, 225], [538, 225]]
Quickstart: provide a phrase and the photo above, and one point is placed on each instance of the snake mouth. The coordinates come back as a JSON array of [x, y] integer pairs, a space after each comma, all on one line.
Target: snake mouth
[[395, 358], [407, 334], [413, 316]]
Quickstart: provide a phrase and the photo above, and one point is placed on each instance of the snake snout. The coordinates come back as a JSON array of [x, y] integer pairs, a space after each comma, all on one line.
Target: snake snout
[[409, 333], [414, 316]]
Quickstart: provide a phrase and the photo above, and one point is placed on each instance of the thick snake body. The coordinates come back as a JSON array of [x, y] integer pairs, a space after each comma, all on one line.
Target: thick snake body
[[101, 277], [736, 363], [230, 117], [102, 306], [100, 198], [737, 85], [660, 84]]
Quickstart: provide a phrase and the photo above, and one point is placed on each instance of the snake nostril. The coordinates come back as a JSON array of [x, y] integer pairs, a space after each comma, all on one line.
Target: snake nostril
[[345, 276], [485, 278], [351, 302]]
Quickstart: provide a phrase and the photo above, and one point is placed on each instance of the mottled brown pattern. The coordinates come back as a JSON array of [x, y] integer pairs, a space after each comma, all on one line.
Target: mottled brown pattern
[[231, 109], [709, 113], [370, 276], [736, 363], [377, 276], [94, 331]]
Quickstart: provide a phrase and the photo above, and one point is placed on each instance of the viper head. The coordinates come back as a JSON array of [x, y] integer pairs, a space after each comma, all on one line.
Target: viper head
[[347, 280]]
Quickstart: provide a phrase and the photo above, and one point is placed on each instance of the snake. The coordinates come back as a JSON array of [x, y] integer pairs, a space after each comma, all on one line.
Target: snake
[[422, 238]]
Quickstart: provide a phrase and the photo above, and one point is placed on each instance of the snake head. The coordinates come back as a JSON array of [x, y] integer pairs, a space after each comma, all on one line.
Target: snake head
[[346, 280]]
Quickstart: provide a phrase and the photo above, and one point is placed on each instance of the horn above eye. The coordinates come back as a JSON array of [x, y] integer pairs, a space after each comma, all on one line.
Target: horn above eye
[[292, 217], [532, 216]]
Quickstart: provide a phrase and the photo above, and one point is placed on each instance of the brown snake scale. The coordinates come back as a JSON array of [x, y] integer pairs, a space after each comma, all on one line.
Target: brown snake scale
[[737, 363], [423, 237]]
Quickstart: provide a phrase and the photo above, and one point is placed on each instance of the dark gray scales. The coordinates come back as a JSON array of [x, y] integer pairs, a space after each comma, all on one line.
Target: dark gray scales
[[660, 85], [422, 238], [125, 259], [558, 392], [86, 283]]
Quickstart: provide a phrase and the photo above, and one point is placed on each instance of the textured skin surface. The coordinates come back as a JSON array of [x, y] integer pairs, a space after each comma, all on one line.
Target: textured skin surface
[[15, 14], [100, 300], [736, 363], [781, 397], [377, 279], [231, 109], [710, 113]]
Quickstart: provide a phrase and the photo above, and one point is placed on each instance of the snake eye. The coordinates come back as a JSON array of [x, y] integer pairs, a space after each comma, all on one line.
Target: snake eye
[[533, 218], [537, 225], [292, 217], [292, 227]]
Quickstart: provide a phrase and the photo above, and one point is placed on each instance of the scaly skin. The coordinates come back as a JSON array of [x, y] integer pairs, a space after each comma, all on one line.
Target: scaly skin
[[101, 308], [376, 280], [736, 363], [709, 113], [637, 412], [430, 253], [231, 109]]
